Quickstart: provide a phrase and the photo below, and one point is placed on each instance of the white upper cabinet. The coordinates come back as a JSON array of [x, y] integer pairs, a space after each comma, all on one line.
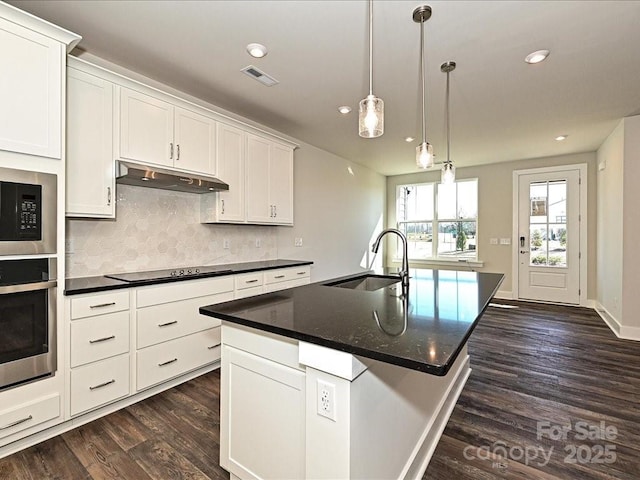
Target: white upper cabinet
[[231, 169], [31, 96], [90, 174], [157, 132], [269, 182]]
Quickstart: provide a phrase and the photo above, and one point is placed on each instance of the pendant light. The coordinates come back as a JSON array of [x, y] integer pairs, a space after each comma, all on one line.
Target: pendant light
[[371, 116], [448, 170], [424, 151]]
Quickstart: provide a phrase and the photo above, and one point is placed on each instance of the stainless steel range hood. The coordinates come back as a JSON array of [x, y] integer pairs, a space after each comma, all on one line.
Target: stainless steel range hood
[[128, 173]]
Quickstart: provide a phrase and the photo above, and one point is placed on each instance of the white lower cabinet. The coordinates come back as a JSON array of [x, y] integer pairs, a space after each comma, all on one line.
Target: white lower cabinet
[[29, 414], [172, 337], [267, 397], [99, 383], [97, 338]]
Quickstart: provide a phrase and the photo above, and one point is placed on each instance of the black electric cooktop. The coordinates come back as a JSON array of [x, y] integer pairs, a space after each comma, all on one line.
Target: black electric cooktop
[[210, 271]]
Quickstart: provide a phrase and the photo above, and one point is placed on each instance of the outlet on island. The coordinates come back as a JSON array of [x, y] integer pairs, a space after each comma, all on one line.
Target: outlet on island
[[298, 241], [225, 244]]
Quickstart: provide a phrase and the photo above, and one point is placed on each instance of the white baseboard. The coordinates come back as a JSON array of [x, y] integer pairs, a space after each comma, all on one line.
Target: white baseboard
[[621, 331], [504, 294]]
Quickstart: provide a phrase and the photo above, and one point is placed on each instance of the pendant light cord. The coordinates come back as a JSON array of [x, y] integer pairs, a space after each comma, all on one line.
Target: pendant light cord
[[422, 78], [448, 121], [370, 47]]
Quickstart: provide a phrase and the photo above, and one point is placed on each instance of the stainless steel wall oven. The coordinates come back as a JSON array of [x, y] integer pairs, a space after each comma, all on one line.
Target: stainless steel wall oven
[[27, 320]]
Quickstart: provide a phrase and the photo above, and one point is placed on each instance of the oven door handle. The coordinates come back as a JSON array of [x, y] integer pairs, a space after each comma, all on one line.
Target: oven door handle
[[27, 287]]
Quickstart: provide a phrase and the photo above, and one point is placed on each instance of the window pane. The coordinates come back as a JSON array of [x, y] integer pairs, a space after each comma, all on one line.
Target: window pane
[[420, 239], [558, 201], [447, 201], [557, 245], [457, 239], [414, 202], [538, 244], [468, 199]]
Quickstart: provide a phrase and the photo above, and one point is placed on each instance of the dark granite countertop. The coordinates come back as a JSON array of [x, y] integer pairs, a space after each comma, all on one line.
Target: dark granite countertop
[[76, 286], [425, 331]]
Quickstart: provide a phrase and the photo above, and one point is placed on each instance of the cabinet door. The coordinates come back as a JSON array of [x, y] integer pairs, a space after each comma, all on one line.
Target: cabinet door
[[90, 175], [30, 91], [259, 209], [281, 183], [146, 129], [262, 417], [231, 204], [195, 142]]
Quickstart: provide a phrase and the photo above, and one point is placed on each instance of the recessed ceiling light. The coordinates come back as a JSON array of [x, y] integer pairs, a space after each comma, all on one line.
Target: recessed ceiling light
[[344, 109], [559, 138], [409, 139], [537, 56], [256, 50]]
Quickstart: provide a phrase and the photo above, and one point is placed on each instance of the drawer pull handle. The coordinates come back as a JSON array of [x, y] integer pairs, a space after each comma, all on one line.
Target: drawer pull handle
[[103, 339], [212, 347], [101, 305], [102, 384], [252, 281], [302, 273], [17, 422], [279, 276], [167, 324], [167, 362]]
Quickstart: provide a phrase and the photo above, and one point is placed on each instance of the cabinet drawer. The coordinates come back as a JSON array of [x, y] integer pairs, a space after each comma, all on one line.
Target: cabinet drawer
[[96, 338], [99, 304], [283, 275], [172, 292], [297, 282], [159, 323], [249, 292], [99, 383], [161, 362], [29, 414], [249, 280]]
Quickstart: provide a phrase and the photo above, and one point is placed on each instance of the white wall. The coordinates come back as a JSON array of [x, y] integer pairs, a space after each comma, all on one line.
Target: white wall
[[610, 156], [338, 210], [631, 227], [495, 198]]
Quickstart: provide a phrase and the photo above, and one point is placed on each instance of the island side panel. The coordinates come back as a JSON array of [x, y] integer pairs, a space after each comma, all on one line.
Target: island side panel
[[387, 420]]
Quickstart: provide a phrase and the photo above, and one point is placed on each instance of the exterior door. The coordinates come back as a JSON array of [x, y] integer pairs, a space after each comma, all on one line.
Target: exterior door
[[549, 232]]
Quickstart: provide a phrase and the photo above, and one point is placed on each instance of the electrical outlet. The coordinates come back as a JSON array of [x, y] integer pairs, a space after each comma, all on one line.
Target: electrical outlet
[[298, 241], [326, 400], [258, 243], [225, 244]]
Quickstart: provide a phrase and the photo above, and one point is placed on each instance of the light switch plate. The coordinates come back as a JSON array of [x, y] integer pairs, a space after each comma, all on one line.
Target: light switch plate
[[493, 241], [505, 241]]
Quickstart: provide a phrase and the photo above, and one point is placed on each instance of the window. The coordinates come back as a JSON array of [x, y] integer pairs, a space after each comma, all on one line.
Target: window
[[440, 221]]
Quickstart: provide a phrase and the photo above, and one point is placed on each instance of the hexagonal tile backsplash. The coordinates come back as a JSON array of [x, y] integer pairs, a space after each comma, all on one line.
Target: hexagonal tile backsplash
[[157, 229]]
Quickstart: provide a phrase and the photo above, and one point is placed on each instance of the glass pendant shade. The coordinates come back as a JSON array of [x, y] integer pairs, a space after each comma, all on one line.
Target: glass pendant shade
[[448, 173], [424, 155], [371, 117]]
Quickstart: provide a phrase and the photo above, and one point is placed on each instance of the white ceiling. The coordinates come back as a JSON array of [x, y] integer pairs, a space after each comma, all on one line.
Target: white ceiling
[[501, 108]]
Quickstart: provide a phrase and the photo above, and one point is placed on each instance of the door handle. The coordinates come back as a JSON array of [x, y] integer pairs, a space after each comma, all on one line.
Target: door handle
[[524, 251]]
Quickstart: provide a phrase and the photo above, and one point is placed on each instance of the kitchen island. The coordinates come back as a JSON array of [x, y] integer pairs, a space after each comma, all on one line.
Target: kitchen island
[[346, 378]]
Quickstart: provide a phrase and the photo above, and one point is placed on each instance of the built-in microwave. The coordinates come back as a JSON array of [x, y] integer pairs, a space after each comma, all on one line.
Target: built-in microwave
[[27, 212]]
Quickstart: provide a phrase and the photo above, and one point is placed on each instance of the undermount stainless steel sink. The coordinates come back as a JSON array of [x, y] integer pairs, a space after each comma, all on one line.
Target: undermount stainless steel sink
[[368, 283]]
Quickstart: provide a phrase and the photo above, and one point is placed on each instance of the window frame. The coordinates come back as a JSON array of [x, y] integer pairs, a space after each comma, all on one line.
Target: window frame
[[435, 223]]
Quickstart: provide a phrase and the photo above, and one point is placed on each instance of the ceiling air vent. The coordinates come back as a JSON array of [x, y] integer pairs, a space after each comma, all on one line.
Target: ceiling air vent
[[262, 77]]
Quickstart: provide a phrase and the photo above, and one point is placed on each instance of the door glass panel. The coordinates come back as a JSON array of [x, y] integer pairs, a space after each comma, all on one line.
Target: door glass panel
[[547, 223]]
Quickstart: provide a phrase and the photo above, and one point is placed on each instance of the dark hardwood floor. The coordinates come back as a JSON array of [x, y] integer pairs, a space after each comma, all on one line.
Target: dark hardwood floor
[[531, 364]]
